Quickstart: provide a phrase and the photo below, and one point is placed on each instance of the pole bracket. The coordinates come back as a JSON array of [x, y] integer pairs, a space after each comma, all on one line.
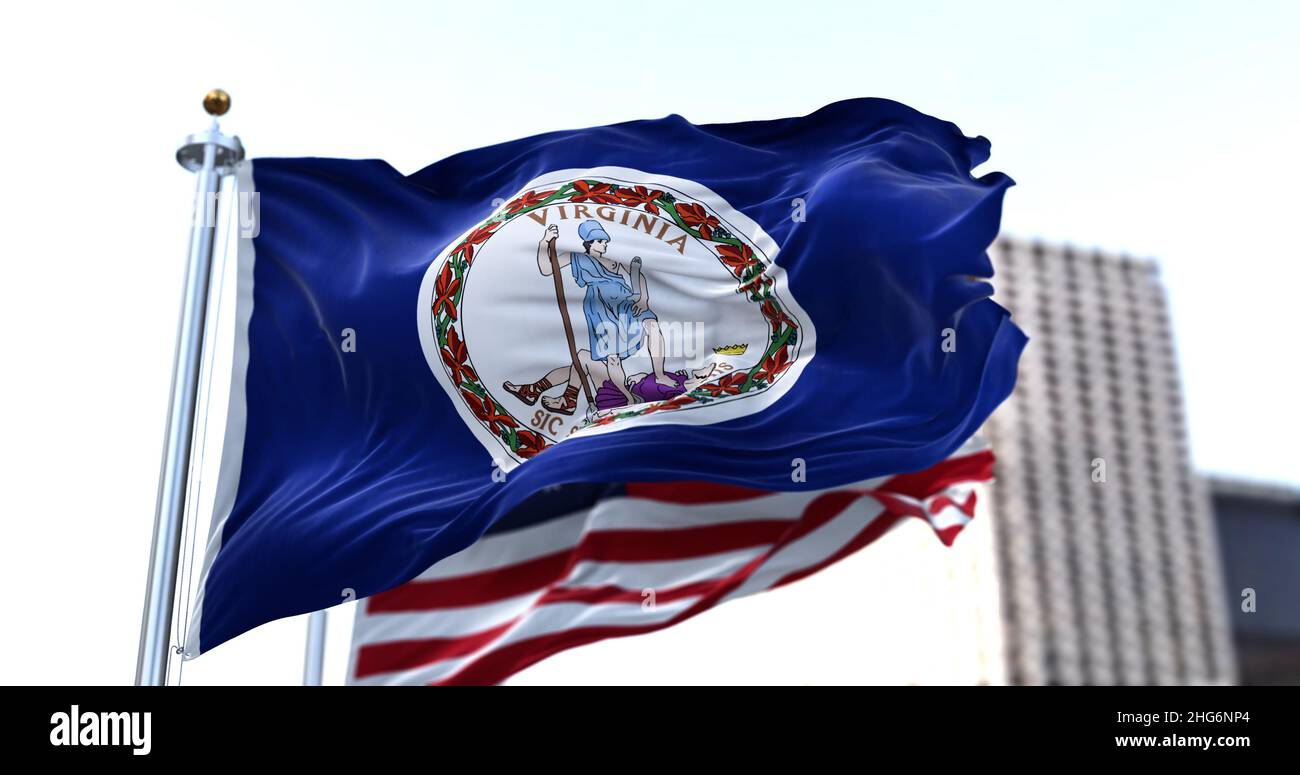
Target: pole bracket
[[229, 151]]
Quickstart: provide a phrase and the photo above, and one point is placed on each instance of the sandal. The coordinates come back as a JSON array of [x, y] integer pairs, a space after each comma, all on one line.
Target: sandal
[[566, 403], [528, 393]]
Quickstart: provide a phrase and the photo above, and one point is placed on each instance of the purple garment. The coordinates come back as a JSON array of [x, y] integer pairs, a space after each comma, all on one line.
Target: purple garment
[[610, 397], [648, 390]]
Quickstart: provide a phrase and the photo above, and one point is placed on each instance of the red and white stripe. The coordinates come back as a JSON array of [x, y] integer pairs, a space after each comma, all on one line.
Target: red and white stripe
[[634, 564]]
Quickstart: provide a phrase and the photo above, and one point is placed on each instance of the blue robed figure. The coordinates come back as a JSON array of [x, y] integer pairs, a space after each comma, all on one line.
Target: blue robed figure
[[619, 322], [615, 320]]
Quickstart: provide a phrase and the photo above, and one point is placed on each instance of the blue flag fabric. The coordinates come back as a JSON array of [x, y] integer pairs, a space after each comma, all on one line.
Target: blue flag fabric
[[792, 304]]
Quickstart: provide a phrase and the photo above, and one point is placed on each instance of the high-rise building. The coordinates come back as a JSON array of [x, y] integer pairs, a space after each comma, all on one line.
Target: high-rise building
[[1107, 553], [1259, 530]]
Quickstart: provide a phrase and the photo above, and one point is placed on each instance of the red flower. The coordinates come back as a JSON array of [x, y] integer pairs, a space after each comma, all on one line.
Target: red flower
[[599, 193], [475, 404], [777, 363], [487, 410], [456, 356], [737, 259], [495, 415], [695, 215], [634, 197], [678, 402], [445, 291], [529, 199], [774, 315], [727, 386], [530, 443], [476, 237], [754, 283]]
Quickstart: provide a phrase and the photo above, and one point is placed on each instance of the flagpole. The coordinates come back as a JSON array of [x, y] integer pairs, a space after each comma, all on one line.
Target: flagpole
[[314, 663], [211, 155]]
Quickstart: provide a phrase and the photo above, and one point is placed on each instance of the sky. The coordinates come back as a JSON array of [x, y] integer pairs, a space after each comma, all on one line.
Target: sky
[[1153, 129]]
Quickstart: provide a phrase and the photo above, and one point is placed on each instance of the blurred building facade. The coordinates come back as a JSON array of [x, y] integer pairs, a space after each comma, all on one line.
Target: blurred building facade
[[1108, 558], [1259, 530]]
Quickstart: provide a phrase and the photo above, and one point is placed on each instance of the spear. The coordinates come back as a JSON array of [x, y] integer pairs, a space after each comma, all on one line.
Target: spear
[[568, 326]]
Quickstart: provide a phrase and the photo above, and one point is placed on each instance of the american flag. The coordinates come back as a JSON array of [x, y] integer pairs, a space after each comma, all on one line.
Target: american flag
[[579, 563]]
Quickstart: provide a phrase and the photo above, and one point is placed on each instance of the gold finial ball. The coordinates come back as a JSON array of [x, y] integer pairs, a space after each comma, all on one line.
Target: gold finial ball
[[216, 102]]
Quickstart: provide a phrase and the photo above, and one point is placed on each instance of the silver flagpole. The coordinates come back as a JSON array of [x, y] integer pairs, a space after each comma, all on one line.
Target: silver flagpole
[[314, 663], [212, 156]]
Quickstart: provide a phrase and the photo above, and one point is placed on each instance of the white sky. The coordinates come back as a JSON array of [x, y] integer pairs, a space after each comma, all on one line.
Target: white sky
[[1157, 129]]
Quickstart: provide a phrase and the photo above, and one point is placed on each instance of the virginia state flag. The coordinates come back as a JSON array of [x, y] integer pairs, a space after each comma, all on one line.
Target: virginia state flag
[[786, 305]]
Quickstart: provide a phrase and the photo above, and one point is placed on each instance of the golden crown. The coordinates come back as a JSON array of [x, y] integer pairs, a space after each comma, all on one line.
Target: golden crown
[[731, 349]]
